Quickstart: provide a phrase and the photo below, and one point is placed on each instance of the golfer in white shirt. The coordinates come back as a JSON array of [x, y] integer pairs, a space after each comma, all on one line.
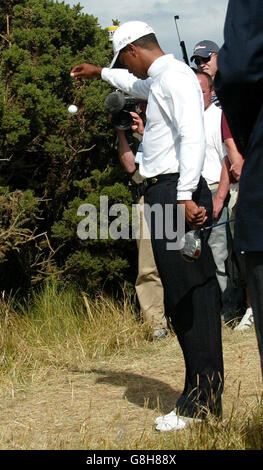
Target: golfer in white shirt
[[173, 157]]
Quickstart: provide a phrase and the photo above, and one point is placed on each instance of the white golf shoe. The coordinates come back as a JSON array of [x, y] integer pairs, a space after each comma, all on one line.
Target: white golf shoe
[[246, 322], [173, 422]]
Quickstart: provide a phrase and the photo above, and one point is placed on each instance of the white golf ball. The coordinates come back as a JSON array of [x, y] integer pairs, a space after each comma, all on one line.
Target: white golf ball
[[72, 109]]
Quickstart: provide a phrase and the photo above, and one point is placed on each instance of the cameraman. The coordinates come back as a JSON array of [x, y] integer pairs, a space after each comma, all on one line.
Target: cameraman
[[148, 285]]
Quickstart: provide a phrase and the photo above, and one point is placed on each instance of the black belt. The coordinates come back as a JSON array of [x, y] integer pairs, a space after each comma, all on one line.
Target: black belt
[[164, 177]]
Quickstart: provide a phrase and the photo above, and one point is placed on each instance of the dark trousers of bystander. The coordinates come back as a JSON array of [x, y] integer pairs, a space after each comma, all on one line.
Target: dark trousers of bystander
[[254, 267]]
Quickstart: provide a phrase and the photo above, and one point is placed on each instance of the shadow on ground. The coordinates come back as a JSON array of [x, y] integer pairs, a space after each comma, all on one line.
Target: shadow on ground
[[141, 390]]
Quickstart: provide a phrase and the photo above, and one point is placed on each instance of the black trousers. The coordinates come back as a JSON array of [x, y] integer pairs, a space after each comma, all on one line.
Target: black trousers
[[192, 305], [239, 86], [254, 267]]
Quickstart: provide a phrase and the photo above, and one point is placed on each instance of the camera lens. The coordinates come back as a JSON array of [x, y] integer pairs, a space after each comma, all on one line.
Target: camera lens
[[123, 120]]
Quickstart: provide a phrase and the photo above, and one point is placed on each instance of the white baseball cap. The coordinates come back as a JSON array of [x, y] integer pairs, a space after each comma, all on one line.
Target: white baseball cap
[[126, 34]]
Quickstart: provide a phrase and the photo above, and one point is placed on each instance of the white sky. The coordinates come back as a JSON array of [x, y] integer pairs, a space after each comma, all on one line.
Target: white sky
[[199, 19]]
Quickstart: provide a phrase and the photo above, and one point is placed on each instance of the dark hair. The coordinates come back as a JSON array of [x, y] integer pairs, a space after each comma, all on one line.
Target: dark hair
[[146, 42], [205, 74]]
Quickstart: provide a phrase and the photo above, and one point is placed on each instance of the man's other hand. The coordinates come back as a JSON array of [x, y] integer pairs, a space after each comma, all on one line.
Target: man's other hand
[[195, 215]]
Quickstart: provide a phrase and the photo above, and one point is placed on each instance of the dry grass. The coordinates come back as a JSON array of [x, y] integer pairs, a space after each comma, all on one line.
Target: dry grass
[[81, 374]]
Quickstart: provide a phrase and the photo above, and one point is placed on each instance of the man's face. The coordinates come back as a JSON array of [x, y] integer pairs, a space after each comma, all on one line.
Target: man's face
[[130, 58], [208, 65], [207, 92]]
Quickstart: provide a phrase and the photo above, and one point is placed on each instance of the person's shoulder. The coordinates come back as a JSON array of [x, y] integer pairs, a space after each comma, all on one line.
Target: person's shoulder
[[178, 72], [213, 117], [215, 110], [176, 65]]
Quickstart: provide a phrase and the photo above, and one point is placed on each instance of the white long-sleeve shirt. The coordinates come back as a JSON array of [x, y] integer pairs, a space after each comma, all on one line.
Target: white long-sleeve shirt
[[174, 137], [215, 148]]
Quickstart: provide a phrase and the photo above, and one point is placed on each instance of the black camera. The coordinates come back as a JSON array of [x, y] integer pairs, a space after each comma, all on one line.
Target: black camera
[[119, 105]]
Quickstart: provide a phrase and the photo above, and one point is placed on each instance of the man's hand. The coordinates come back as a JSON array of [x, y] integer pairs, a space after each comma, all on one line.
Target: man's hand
[[218, 204], [86, 71], [236, 169], [195, 215], [138, 125]]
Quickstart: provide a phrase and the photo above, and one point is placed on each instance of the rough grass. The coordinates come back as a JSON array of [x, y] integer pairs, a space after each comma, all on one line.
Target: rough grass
[[83, 374]]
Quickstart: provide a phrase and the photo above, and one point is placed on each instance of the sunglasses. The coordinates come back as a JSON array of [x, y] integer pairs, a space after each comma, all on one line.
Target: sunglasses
[[199, 60]]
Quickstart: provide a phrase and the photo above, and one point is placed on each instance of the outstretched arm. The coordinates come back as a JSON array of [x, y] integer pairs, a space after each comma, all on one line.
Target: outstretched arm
[[86, 71], [119, 78]]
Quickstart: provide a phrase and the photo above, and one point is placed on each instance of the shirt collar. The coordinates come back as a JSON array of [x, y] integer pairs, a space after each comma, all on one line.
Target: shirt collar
[[158, 65]]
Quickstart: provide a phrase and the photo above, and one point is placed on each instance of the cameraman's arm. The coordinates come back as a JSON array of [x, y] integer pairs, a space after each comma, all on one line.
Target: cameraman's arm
[[127, 157]]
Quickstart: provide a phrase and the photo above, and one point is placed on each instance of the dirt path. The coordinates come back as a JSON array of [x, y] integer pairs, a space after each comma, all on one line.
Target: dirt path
[[113, 403]]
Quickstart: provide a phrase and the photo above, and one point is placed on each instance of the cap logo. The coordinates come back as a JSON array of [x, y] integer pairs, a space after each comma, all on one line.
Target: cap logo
[[200, 47], [124, 40]]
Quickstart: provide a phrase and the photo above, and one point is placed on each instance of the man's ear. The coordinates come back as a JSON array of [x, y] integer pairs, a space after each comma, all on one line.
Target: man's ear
[[132, 49]]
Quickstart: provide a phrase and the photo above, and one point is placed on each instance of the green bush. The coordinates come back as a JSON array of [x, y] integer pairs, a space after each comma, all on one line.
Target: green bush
[[63, 160]]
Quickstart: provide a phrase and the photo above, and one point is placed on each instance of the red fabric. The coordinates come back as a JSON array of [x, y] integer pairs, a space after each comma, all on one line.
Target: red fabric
[[226, 133]]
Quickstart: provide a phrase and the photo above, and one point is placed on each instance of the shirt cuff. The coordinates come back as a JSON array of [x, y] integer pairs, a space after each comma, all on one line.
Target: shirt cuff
[[104, 73], [184, 196]]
